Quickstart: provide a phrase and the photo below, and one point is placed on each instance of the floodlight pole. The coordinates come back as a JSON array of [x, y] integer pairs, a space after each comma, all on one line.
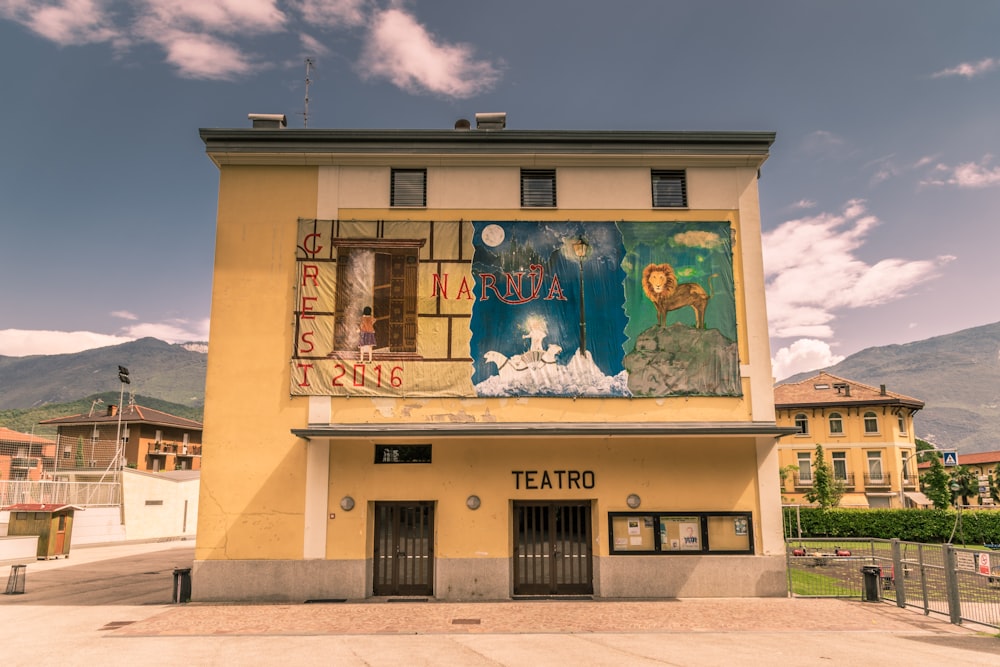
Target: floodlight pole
[[119, 453]]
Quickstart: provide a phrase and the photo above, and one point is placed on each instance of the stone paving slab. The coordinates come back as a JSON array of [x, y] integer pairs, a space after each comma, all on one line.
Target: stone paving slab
[[532, 617]]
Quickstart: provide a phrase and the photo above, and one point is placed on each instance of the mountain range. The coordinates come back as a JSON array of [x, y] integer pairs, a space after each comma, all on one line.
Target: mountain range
[[957, 376]]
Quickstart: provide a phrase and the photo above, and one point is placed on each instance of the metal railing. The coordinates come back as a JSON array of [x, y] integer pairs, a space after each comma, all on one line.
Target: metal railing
[[90, 494], [960, 583]]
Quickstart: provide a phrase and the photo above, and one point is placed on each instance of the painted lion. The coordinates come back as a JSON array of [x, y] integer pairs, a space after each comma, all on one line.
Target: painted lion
[[659, 282]]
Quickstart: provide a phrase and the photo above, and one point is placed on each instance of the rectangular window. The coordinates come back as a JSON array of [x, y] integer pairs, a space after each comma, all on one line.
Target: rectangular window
[[408, 188], [875, 466], [805, 467], [669, 188], [159, 435], [906, 466], [402, 453], [902, 424], [680, 533], [839, 465], [538, 188]]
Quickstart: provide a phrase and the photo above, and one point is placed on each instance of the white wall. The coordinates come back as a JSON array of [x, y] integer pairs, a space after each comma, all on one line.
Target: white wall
[[160, 505]]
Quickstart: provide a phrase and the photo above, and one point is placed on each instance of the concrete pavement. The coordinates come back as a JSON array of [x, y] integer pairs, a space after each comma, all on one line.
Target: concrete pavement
[[111, 605]]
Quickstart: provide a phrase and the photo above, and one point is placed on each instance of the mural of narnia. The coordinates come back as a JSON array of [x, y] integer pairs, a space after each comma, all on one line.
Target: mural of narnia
[[502, 308]]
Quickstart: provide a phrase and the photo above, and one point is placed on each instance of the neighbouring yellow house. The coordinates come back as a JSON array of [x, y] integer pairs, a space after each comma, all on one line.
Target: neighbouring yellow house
[[479, 363], [984, 465], [867, 437]]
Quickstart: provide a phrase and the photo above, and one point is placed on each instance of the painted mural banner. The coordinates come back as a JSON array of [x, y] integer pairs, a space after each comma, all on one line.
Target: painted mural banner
[[513, 308]]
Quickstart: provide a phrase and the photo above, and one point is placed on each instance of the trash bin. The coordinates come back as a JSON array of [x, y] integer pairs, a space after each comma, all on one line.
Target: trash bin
[[15, 582], [182, 584], [871, 575]]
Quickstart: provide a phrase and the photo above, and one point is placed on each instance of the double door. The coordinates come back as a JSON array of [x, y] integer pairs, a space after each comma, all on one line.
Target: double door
[[553, 552]]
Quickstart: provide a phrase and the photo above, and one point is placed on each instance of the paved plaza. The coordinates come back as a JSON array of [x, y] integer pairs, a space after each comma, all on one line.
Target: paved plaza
[[112, 606]]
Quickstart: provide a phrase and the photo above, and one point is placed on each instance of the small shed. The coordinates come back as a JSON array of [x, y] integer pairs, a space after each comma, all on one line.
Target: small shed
[[52, 523]]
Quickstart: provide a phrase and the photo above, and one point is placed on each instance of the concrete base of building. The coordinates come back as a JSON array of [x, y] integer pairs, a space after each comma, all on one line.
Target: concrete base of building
[[465, 579], [278, 580], [691, 576]]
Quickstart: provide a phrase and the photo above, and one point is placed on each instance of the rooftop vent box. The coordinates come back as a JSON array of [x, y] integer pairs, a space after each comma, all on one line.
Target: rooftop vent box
[[491, 121], [272, 121]]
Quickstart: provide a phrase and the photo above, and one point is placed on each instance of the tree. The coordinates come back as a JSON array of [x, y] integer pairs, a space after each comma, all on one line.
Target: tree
[[826, 491], [925, 451], [936, 483], [784, 472], [967, 481], [995, 484]]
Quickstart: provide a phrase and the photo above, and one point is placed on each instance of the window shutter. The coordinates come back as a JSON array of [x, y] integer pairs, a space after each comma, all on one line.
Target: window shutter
[[669, 188], [538, 187], [409, 187]]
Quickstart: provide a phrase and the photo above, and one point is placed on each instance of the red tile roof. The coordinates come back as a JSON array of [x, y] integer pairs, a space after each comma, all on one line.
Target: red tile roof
[[132, 414], [39, 507], [826, 389], [978, 458], [16, 436]]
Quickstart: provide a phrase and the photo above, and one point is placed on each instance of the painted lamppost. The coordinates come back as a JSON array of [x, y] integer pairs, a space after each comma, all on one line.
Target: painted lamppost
[[580, 249]]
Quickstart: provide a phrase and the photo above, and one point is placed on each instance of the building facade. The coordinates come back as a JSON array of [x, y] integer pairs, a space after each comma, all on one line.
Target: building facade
[[485, 363], [867, 437], [24, 456], [151, 440]]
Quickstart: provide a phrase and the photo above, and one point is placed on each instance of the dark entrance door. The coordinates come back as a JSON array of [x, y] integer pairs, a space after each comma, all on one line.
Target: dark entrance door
[[404, 549], [552, 549]]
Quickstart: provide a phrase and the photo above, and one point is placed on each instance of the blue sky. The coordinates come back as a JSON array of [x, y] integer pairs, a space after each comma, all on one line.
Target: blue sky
[[880, 199]]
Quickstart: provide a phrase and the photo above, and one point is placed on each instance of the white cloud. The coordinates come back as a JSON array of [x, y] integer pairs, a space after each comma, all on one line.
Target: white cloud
[[65, 22], [332, 13], [23, 342], [803, 204], [172, 331], [213, 39], [812, 271], [806, 354], [124, 314], [970, 70], [966, 175], [312, 46], [402, 51]]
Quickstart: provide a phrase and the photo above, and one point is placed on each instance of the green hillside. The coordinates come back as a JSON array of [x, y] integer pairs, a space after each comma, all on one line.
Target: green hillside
[[168, 372]]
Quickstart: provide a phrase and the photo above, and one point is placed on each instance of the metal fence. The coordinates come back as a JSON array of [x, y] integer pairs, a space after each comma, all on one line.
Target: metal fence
[[960, 583], [91, 494]]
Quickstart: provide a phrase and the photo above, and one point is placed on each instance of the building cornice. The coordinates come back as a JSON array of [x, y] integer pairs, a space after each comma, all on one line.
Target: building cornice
[[473, 147], [536, 429]]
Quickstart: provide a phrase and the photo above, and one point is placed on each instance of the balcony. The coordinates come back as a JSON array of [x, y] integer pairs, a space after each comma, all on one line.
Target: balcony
[[910, 482], [807, 482], [877, 481]]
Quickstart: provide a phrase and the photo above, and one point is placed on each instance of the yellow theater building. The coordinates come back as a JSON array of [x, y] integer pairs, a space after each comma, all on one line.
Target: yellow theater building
[[485, 363]]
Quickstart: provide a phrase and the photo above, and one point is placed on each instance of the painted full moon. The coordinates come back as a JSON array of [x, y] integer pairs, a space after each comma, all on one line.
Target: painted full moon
[[493, 235]]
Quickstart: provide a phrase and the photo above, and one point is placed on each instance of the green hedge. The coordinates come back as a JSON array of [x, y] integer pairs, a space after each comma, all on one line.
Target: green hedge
[[913, 525]]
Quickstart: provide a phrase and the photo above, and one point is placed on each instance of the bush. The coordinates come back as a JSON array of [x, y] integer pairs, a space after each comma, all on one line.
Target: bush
[[912, 525]]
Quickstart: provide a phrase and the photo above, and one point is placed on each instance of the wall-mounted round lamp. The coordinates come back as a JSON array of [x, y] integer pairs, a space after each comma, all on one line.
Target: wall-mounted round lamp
[[633, 500], [347, 503], [473, 502]]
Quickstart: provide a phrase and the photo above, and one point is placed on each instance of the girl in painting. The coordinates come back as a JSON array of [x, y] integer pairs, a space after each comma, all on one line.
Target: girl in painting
[[366, 341]]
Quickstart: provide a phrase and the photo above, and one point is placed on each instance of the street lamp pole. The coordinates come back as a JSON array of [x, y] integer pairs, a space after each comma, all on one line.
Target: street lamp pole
[[580, 249], [119, 454]]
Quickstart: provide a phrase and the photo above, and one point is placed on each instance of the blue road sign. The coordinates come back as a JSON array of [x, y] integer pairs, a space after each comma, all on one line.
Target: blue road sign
[[950, 458]]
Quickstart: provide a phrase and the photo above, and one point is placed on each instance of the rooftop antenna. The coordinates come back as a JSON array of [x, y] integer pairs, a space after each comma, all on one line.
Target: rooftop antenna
[[310, 63], [95, 403]]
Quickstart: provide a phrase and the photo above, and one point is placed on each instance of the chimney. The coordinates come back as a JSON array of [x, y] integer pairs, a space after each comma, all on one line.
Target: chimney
[[463, 124], [881, 389], [112, 410], [268, 121], [491, 121]]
